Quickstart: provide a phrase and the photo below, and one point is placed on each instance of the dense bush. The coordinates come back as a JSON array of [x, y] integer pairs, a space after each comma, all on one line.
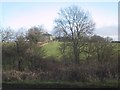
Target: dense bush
[[56, 71]]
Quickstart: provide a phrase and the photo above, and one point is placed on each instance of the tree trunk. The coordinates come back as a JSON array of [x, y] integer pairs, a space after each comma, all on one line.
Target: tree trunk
[[76, 53]]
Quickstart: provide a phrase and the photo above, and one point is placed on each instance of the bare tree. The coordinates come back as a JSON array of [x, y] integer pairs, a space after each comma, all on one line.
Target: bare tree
[[74, 24], [34, 34], [7, 34], [103, 48]]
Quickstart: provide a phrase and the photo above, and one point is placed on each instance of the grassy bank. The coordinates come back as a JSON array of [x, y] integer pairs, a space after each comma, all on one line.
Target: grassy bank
[[59, 84], [52, 50]]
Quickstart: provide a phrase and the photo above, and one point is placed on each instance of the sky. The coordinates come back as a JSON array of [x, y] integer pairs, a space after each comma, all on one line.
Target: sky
[[28, 14]]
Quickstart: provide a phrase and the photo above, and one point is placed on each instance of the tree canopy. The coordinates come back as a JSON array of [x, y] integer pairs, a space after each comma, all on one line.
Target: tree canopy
[[74, 23]]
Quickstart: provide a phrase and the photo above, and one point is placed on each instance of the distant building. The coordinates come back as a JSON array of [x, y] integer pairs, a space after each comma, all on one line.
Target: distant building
[[47, 37]]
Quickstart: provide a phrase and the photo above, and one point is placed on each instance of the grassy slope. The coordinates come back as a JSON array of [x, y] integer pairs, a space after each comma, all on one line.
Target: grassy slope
[[52, 50]]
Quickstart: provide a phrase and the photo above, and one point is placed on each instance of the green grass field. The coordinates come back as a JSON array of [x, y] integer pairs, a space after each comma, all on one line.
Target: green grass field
[[52, 50]]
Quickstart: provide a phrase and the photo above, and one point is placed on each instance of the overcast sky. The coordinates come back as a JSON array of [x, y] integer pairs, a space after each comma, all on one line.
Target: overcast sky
[[28, 14]]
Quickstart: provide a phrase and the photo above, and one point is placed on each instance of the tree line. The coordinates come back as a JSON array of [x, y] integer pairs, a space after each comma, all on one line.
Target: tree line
[[85, 56]]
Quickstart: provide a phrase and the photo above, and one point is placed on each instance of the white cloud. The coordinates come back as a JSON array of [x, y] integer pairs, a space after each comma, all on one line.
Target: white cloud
[[108, 31]]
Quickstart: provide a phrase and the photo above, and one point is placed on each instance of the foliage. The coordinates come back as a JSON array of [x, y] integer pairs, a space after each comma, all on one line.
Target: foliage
[[7, 34], [34, 34], [20, 54]]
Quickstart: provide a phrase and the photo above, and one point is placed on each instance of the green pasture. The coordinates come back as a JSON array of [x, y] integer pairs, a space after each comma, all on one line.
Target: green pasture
[[52, 50]]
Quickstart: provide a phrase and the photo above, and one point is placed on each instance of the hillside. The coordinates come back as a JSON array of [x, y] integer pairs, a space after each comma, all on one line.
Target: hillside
[[52, 50]]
